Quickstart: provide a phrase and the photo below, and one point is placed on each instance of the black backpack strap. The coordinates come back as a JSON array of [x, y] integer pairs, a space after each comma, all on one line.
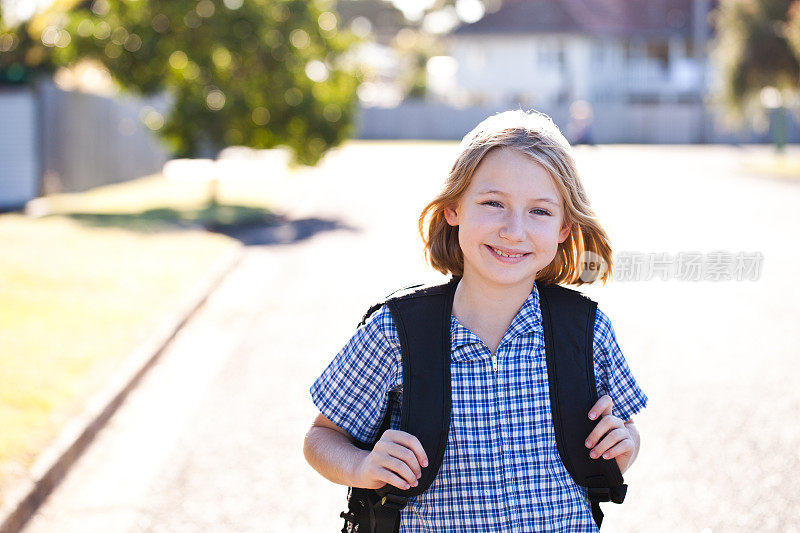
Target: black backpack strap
[[422, 318], [568, 320], [378, 305]]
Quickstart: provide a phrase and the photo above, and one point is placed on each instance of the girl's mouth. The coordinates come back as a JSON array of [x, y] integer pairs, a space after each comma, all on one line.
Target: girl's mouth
[[508, 258]]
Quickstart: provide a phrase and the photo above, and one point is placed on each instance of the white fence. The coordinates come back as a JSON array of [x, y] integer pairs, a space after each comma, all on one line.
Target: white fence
[[634, 123], [60, 141], [63, 141], [90, 140], [19, 168]]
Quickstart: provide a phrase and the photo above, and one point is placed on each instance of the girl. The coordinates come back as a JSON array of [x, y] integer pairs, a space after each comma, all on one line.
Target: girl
[[513, 211]]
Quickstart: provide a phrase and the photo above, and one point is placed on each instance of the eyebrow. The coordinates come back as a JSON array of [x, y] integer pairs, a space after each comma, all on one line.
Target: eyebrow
[[547, 199]]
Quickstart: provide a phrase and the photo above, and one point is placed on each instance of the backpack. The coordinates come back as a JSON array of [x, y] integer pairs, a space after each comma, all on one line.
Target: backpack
[[422, 318]]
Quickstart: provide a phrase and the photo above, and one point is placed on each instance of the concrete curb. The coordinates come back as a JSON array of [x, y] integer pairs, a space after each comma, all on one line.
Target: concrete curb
[[52, 465]]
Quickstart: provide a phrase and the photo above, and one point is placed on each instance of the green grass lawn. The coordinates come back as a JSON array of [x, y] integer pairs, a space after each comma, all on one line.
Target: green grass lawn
[[773, 165], [81, 287]]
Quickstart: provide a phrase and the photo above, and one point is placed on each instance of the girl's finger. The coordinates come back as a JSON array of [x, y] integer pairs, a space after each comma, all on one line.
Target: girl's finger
[[611, 439], [608, 423], [409, 441], [622, 447], [387, 476], [405, 455], [603, 406], [397, 466]]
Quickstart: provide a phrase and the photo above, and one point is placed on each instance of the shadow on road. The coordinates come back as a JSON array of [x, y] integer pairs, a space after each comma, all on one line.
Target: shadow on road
[[146, 220], [282, 231], [253, 226]]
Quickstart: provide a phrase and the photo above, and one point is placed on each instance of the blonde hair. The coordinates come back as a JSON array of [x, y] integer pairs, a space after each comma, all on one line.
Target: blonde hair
[[534, 134]]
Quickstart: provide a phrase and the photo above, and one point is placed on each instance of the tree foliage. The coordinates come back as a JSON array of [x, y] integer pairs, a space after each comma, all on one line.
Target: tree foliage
[[22, 53], [259, 73], [754, 51]]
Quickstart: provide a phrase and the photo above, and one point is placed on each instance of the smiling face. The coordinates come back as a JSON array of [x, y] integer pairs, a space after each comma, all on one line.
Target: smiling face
[[510, 220]]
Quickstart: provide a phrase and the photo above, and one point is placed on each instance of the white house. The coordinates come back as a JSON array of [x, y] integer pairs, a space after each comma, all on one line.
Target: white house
[[542, 53]]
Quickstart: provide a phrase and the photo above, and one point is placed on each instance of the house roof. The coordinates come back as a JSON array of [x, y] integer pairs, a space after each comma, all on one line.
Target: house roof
[[646, 18], [386, 19]]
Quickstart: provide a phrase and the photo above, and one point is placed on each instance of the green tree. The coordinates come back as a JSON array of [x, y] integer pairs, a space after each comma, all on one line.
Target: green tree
[[22, 54], [259, 73], [417, 47], [756, 59]]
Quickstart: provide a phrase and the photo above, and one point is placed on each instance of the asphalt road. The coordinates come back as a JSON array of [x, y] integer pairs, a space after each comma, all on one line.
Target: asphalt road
[[212, 438]]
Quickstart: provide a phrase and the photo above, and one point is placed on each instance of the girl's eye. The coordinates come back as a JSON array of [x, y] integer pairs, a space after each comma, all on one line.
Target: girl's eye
[[491, 203], [540, 211]]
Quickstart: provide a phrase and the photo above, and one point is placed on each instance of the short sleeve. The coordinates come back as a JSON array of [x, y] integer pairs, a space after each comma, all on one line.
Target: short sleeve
[[613, 376], [353, 391]]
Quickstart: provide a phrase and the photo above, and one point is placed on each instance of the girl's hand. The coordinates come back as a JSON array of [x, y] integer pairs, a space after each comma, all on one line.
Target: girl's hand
[[617, 441], [395, 459]]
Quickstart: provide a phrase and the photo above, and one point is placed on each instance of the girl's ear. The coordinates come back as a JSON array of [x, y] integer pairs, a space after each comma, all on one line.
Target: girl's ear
[[451, 215], [564, 233]]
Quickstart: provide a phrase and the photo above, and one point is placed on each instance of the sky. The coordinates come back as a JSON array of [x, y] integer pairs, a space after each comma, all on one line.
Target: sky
[[18, 10], [413, 9], [466, 10]]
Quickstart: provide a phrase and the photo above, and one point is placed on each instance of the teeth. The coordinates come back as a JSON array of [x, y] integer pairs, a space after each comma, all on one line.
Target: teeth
[[506, 255]]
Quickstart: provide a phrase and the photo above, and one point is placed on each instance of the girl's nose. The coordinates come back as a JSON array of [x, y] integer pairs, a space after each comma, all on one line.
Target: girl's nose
[[512, 228]]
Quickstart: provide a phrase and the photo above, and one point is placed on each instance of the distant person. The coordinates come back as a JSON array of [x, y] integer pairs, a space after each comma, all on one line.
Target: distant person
[[512, 214], [579, 128]]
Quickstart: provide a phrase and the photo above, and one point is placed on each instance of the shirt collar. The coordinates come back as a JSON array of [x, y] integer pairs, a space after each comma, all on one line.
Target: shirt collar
[[527, 320]]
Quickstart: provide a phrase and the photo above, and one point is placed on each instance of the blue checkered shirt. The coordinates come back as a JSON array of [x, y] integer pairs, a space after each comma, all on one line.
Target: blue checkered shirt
[[501, 470]]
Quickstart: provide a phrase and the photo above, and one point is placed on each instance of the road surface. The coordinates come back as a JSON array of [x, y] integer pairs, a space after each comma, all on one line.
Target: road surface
[[212, 438]]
